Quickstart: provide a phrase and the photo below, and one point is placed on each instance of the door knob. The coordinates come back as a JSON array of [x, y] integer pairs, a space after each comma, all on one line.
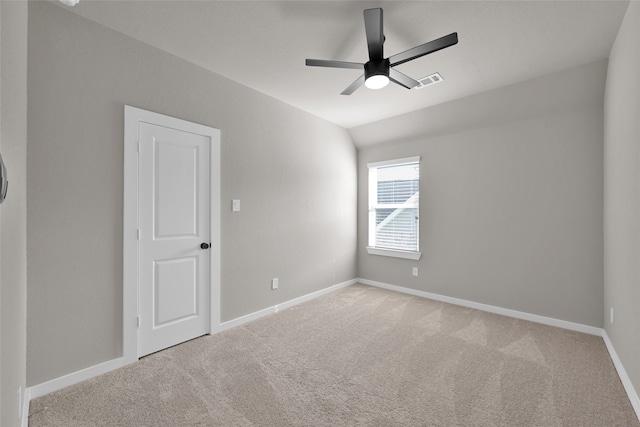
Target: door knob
[[204, 246]]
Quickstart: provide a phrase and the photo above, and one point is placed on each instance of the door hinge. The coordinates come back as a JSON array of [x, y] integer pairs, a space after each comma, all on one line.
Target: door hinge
[[138, 234], [138, 146], [138, 321]]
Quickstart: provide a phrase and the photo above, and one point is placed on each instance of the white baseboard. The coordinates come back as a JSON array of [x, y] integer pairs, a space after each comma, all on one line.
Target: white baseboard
[[75, 377], [626, 381], [274, 309], [26, 399], [624, 378], [93, 371], [102, 368], [592, 330]]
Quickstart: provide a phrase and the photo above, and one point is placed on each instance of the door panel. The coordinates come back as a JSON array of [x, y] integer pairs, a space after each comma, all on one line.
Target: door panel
[[176, 195], [175, 290], [174, 221]]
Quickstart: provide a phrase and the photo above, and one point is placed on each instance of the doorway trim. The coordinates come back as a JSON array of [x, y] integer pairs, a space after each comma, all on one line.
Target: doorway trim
[[130, 243]]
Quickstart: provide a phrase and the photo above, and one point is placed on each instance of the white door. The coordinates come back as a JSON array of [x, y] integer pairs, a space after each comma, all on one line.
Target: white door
[[174, 224]]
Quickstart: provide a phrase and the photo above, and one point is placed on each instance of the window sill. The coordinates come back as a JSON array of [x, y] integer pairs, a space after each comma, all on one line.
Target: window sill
[[394, 253]]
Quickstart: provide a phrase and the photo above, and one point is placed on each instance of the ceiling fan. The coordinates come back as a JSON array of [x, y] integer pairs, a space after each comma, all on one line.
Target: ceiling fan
[[379, 70]]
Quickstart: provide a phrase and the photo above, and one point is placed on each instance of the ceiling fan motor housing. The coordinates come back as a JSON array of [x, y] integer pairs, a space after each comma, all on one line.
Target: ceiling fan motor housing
[[376, 67]]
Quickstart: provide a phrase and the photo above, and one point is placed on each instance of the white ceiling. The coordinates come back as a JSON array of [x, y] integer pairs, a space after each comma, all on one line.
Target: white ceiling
[[263, 45]]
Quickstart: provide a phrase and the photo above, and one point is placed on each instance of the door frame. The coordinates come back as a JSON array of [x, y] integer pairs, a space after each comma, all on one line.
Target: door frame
[[130, 243]]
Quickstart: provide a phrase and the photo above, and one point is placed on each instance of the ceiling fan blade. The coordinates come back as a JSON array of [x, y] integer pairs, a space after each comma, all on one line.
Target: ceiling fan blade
[[375, 35], [424, 49], [402, 79], [334, 64], [353, 86]]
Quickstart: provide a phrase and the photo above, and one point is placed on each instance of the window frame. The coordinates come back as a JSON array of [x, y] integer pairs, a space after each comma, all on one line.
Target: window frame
[[372, 206]]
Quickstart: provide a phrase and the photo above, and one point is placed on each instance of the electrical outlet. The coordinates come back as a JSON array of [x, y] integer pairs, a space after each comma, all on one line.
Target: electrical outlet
[[274, 283], [611, 315], [415, 271]]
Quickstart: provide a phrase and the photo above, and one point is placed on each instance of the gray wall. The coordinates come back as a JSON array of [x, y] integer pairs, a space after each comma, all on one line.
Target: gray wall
[[294, 173], [13, 223], [510, 196], [622, 194]]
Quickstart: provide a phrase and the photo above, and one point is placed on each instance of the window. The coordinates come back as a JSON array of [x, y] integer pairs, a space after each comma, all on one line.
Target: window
[[394, 192]]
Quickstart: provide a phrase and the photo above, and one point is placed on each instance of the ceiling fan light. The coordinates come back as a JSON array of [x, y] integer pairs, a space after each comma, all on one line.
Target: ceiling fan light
[[377, 81]]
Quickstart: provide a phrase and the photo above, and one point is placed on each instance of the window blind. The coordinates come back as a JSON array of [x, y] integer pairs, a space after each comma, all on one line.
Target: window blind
[[394, 211]]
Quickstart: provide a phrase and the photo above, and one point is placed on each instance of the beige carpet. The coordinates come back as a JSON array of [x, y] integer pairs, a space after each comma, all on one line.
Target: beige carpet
[[360, 356]]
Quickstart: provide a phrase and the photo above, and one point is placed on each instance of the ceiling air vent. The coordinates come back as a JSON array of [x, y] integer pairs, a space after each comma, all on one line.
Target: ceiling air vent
[[429, 80]]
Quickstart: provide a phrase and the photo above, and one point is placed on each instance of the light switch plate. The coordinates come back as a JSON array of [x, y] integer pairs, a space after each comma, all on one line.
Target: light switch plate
[[235, 205]]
